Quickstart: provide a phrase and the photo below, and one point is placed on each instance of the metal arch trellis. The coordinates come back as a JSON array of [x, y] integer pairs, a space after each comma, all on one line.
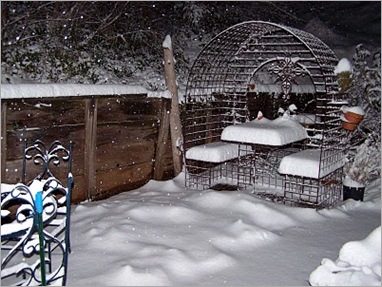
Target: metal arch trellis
[[242, 40], [285, 62], [227, 63]]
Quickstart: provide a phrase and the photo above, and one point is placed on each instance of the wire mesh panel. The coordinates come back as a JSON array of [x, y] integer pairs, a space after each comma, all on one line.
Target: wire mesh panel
[[311, 192], [271, 55], [267, 161], [204, 175], [245, 168]]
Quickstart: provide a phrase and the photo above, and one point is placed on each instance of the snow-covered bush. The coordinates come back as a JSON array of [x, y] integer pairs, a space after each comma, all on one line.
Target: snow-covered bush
[[83, 42], [358, 264], [365, 143], [114, 41], [366, 163], [344, 72], [365, 88]]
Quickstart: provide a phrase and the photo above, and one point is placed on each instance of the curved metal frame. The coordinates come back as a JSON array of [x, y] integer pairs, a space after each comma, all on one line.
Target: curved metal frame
[[21, 264], [229, 61], [217, 87]]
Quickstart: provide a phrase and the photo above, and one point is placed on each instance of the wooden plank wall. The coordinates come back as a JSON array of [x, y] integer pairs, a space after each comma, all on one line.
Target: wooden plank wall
[[115, 139]]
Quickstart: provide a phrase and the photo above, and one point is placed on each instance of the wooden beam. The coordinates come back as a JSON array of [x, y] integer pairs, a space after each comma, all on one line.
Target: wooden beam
[[175, 125], [163, 134], [90, 146], [3, 140]]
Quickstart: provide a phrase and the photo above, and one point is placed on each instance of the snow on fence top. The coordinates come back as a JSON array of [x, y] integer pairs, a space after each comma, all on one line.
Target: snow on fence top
[[11, 91]]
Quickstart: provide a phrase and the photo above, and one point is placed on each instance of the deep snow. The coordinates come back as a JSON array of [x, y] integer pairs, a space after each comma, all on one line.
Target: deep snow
[[165, 234]]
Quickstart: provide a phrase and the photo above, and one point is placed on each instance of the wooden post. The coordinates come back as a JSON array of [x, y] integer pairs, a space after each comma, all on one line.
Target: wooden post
[[3, 140], [90, 146], [175, 125], [164, 129]]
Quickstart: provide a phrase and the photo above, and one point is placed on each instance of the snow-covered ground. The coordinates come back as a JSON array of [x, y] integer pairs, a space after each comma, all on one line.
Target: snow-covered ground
[[165, 234]]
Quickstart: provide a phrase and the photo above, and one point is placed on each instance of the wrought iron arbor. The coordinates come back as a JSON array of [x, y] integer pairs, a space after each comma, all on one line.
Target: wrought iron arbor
[[260, 66]]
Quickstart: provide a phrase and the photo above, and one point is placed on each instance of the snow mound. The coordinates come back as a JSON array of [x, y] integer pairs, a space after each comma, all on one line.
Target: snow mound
[[359, 263], [166, 234]]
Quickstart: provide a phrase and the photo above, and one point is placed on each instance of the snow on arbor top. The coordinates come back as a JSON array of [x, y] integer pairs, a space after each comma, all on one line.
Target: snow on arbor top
[[12, 91], [343, 66], [278, 132]]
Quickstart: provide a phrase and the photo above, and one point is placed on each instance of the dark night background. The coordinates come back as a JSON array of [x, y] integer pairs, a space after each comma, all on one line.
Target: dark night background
[[342, 24]]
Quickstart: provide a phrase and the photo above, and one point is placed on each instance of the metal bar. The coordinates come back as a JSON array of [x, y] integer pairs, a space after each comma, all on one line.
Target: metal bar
[[39, 222]]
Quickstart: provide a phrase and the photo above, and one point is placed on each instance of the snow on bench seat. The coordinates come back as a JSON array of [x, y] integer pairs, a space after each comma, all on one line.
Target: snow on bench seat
[[278, 132], [306, 163], [213, 152]]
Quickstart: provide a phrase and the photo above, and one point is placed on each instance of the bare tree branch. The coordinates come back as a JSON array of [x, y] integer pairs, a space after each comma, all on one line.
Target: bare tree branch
[[107, 21]]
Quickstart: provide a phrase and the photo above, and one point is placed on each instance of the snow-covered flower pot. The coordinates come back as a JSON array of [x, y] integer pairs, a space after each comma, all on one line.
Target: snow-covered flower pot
[[352, 117]]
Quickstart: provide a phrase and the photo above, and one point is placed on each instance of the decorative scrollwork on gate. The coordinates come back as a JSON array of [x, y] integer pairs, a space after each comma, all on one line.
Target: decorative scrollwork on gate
[[35, 233], [20, 237], [44, 156]]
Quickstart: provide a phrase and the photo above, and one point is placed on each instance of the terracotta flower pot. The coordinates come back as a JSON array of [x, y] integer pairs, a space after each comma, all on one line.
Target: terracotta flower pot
[[349, 126], [353, 117]]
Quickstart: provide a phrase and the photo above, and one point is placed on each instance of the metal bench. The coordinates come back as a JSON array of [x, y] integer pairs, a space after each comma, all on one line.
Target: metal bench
[[208, 164], [313, 177]]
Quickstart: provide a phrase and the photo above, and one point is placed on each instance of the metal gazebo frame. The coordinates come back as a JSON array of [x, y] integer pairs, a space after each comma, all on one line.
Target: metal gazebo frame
[[255, 65]]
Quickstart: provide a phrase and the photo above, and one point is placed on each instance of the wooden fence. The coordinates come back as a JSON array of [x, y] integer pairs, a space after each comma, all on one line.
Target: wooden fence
[[119, 142]]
